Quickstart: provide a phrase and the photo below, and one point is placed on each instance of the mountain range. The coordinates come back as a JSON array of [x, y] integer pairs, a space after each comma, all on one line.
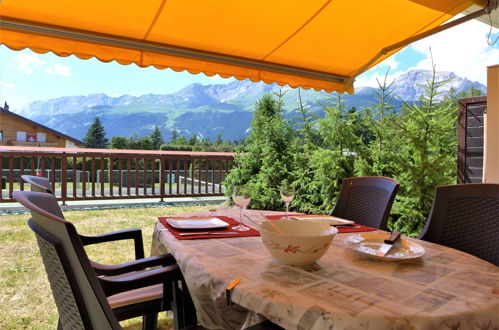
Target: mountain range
[[206, 110]]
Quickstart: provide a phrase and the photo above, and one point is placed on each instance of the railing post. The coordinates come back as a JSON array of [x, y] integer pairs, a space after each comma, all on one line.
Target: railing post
[[64, 178], [21, 173], [162, 175], [11, 178], [111, 176]]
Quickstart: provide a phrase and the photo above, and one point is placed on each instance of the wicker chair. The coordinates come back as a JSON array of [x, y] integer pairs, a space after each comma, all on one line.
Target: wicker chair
[[87, 301], [366, 200], [38, 183], [466, 217], [42, 184]]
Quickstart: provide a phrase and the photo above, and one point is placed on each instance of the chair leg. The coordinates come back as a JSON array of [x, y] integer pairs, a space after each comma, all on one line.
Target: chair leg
[[150, 321], [184, 312], [189, 309]]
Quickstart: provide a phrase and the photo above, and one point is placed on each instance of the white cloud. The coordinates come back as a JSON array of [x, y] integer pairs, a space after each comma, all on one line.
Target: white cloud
[[59, 69], [217, 78], [462, 49], [390, 62], [28, 62], [372, 81], [7, 84]]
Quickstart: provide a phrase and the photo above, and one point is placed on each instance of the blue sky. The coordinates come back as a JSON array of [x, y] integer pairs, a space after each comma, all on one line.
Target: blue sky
[[26, 76]]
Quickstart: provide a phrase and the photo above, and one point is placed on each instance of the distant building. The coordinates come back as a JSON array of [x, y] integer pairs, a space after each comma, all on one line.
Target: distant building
[[16, 130]]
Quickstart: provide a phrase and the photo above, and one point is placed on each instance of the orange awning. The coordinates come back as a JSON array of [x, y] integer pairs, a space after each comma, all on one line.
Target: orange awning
[[314, 44]]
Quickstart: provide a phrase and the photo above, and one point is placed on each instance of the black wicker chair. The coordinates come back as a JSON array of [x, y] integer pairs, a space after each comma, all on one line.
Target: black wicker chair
[[466, 217], [366, 200]]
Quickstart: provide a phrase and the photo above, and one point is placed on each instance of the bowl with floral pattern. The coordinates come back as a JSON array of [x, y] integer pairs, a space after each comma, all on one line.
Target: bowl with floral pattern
[[296, 242]]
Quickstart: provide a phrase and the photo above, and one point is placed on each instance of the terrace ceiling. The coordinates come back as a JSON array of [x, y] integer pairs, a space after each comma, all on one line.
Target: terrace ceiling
[[320, 44]]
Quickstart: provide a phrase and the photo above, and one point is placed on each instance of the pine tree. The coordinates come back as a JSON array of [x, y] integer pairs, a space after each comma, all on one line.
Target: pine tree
[[96, 136], [219, 140], [174, 136], [157, 138], [193, 140], [268, 159], [426, 147]]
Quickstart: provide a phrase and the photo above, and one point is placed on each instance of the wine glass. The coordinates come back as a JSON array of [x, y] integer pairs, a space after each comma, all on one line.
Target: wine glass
[[287, 196], [242, 197]]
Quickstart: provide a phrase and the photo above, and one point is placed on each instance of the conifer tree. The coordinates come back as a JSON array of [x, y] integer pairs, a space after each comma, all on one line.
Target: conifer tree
[[96, 136], [219, 140], [157, 138], [268, 158], [426, 154], [174, 136]]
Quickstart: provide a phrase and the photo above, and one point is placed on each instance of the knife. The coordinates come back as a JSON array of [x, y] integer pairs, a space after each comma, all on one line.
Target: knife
[[209, 233], [388, 244]]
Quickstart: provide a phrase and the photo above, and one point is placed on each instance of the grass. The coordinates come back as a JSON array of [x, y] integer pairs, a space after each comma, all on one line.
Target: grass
[[25, 296]]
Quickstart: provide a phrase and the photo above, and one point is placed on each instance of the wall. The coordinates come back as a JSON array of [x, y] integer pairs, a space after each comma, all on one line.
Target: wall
[[491, 141], [10, 125]]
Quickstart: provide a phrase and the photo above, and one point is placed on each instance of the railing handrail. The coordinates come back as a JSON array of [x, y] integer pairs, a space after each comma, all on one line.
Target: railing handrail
[[29, 151]]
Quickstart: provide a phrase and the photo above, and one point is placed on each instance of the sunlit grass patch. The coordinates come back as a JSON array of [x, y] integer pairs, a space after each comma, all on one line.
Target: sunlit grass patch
[[25, 297]]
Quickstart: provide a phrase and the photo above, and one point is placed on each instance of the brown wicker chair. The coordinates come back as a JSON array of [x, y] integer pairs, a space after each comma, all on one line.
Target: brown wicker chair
[[366, 200], [38, 183], [127, 301], [466, 217]]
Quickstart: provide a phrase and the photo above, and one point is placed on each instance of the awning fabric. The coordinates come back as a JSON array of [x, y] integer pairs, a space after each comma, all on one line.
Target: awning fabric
[[313, 44]]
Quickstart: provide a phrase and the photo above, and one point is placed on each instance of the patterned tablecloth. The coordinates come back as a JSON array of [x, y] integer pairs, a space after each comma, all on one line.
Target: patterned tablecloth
[[446, 289]]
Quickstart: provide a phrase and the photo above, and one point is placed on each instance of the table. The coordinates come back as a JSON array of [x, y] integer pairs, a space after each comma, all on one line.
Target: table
[[446, 289]]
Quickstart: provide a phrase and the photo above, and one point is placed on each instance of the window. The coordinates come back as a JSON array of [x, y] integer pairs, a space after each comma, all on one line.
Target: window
[[1, 135], [41, 137], [70, 144], [21, 136]]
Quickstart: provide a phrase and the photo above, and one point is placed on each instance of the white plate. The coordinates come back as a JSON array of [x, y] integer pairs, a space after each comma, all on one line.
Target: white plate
[[329, 219], [197, 223], [369, 243]]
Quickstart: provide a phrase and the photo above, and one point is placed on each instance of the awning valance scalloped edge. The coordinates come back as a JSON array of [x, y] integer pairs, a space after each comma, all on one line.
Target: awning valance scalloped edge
[[128, 52]]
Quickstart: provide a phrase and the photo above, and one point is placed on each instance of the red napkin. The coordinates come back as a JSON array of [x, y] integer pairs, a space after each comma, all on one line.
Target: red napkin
[[230, 221], [341, 230]]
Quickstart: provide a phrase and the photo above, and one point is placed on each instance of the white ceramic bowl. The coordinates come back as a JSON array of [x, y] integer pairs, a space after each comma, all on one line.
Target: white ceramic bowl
[[296, 242]]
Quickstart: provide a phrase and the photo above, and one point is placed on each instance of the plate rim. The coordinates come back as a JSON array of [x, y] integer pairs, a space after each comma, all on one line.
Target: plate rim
[[349, 244], [325, 218], [203, 219]]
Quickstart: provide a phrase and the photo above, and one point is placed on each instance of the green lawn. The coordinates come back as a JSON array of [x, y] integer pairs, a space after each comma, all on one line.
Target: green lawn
[[25, 296]]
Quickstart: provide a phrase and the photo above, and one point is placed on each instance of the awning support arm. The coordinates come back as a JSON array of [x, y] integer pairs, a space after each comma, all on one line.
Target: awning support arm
[[492, 5]]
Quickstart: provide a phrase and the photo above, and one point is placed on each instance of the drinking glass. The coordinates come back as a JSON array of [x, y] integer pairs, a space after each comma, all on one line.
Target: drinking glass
[[287, 196], [242, 197]]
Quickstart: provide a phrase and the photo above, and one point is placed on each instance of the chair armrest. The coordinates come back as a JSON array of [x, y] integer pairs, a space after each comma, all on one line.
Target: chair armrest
[[163, 275], [136, 265], [135, 234]]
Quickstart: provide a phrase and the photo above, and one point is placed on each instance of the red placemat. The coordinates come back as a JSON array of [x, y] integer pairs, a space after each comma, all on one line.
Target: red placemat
[[230, 221], [341, 230]]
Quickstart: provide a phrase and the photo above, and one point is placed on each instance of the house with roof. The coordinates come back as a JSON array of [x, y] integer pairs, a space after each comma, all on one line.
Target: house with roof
[[16, 130]]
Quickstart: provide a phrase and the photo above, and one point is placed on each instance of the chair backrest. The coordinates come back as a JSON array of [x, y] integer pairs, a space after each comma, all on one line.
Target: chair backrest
[[466, 217], [79, 297], [366, 200], [38, 183]]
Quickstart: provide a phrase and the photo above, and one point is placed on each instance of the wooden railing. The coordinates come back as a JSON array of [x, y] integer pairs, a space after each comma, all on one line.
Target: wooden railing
[[91, 174]]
